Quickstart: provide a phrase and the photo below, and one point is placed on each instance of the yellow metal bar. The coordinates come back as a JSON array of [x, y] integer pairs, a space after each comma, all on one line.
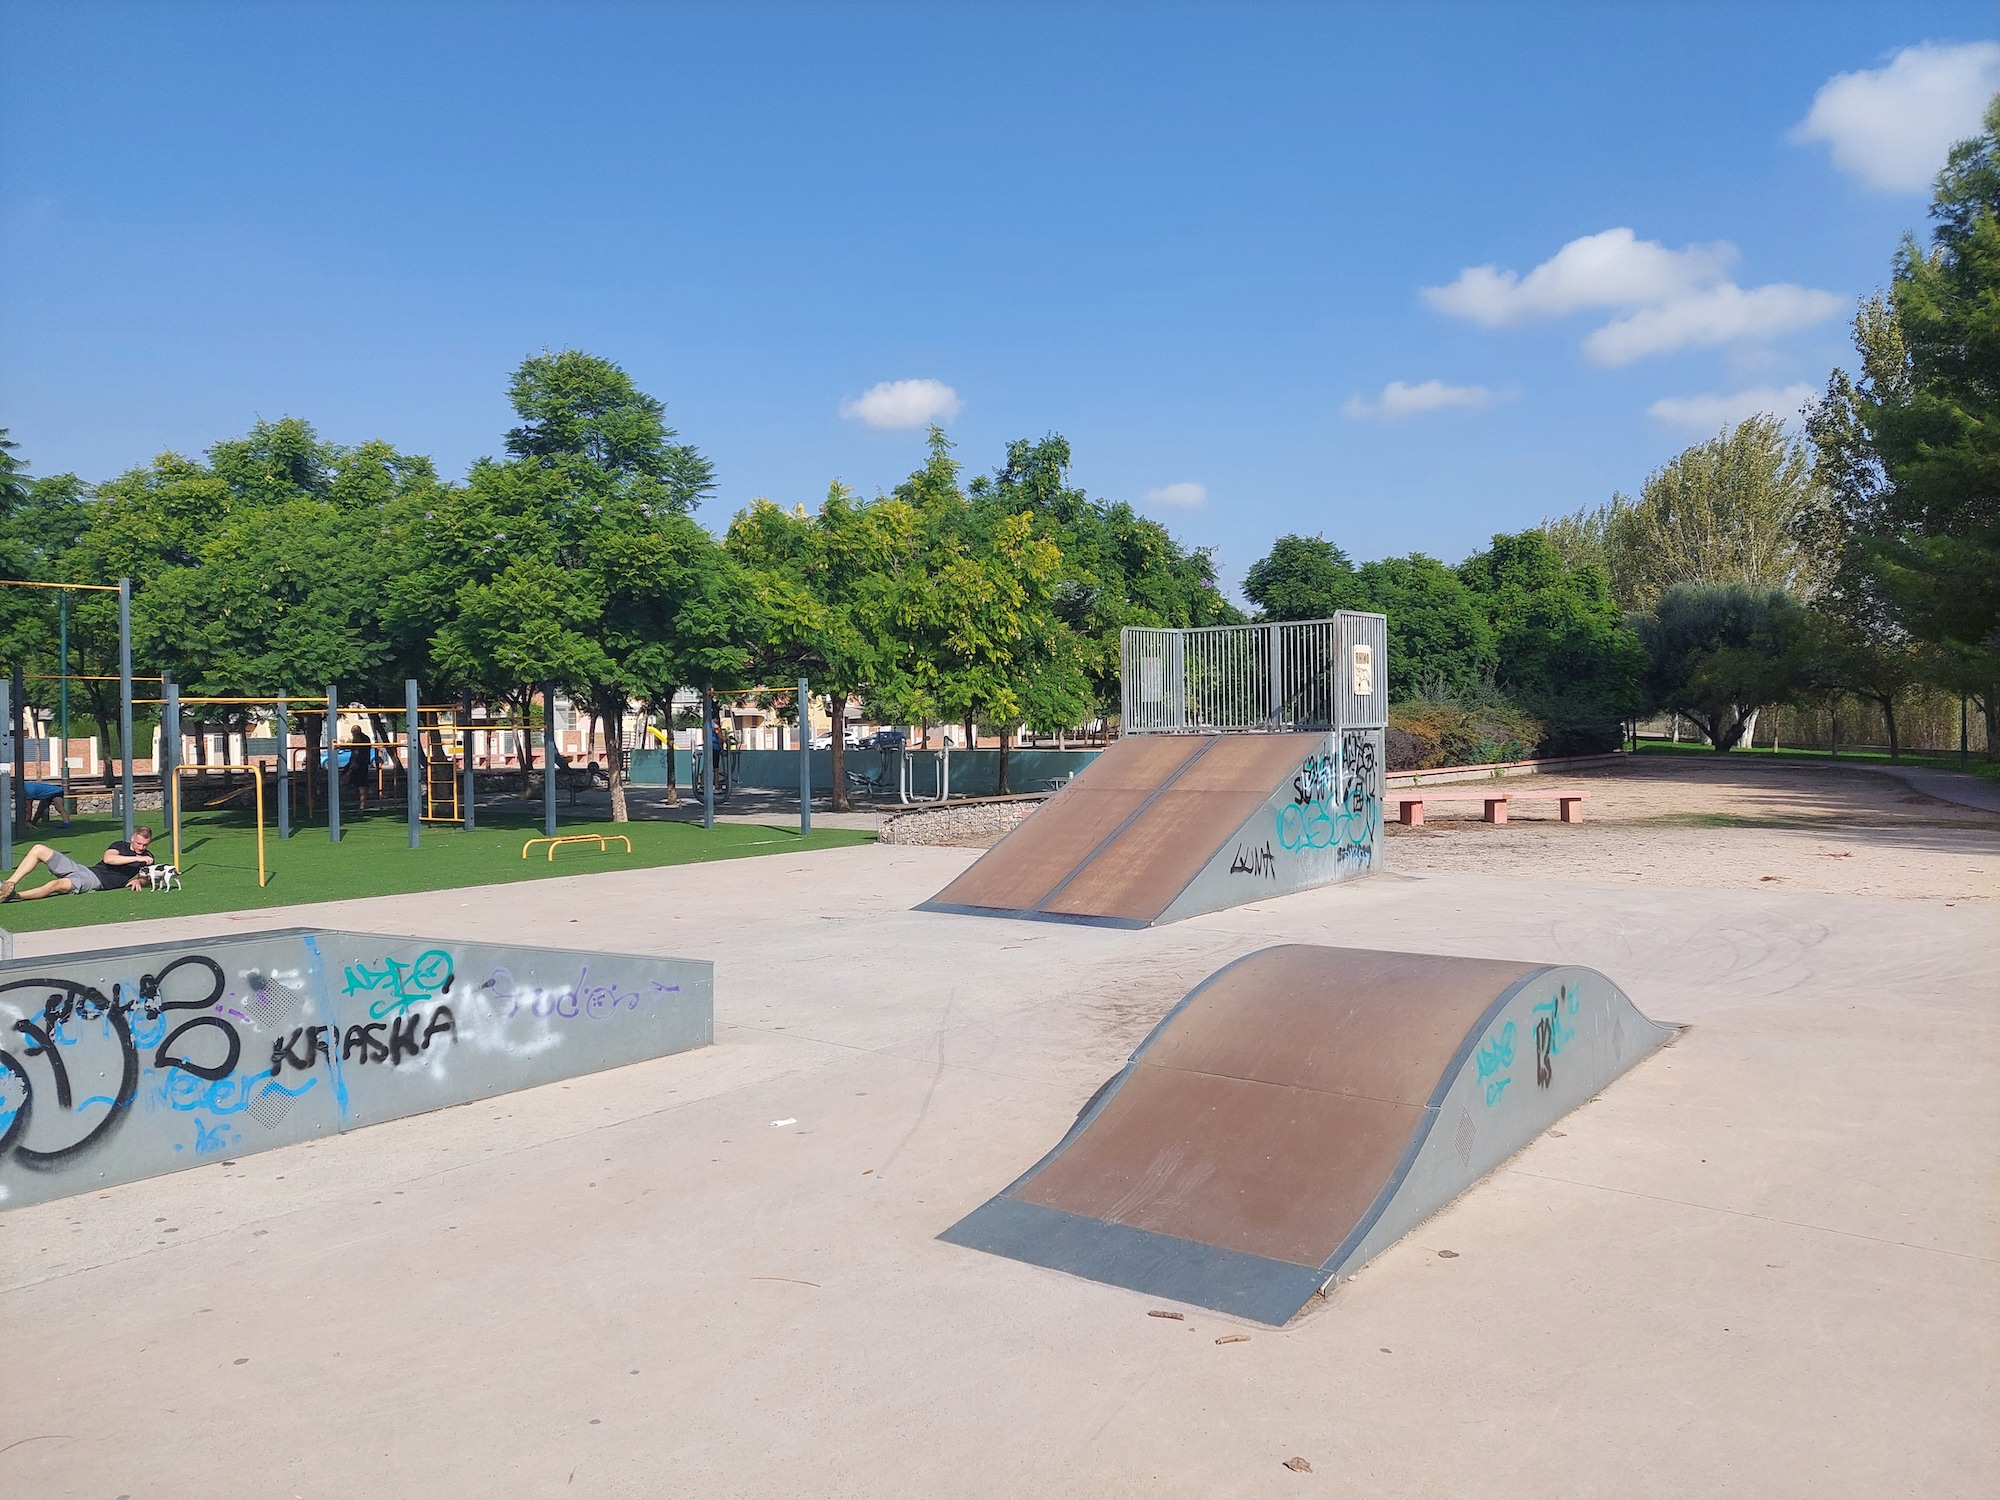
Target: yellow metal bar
[[29, 583], [258, 772], [602, 840]]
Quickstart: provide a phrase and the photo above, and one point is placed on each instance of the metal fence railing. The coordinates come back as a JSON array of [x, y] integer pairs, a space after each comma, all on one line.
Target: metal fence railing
[[1300, 675]]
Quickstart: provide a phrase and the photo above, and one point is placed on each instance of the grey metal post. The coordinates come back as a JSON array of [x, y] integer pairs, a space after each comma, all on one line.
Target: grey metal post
[[7, 776], [170, 752], [17, 807], [332, 747], [413, 752], [1962, 727], [549, 760], [125, 695], [1278, 680], [708, 760], [284, 769], [805, 760], [465, 742]]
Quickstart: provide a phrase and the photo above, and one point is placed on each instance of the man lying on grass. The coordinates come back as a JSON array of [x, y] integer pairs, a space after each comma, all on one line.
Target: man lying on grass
[[124, 864]]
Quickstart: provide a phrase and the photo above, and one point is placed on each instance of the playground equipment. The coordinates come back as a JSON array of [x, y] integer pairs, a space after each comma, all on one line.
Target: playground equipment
[[1252, 766], [1300, 1111]]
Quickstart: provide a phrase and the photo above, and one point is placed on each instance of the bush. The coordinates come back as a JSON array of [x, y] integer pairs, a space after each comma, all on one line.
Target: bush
[[1469, 729]]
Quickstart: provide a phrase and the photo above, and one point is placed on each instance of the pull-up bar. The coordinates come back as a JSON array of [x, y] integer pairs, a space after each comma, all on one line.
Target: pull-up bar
[[102, 588]]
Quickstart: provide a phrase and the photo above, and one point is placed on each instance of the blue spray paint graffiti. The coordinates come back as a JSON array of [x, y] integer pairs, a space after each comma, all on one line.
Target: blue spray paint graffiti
[[1335, 803], [1495, 1054]]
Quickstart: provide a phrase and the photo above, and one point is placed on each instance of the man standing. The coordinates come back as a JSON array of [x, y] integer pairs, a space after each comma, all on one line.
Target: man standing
[[124, 864]]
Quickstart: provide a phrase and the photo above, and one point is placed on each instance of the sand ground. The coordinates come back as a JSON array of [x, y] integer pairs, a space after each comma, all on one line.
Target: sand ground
[[1764, 1263]]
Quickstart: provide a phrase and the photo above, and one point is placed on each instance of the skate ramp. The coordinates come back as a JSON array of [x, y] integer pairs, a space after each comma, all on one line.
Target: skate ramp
[[130, 1062], [1300, 1111], [1168, 826]]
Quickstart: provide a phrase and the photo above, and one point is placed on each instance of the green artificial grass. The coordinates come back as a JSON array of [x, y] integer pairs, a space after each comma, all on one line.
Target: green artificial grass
[[1976, 765], [373, 858]]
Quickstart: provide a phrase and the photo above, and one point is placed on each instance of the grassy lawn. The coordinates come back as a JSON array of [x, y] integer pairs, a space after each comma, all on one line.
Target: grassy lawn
[[1976, 765], [373, 858]]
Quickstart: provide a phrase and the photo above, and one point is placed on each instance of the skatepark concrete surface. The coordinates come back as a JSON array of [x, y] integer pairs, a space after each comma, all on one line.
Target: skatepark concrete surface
[[1764, 1263]]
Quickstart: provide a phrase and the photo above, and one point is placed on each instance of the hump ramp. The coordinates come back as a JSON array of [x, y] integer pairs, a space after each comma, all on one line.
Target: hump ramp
[[1162, 827], [1300, 1111]]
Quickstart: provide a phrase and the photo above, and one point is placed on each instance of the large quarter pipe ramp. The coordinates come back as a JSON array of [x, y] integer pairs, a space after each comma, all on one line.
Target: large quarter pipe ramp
[[1163, 827], [1300, 1111]]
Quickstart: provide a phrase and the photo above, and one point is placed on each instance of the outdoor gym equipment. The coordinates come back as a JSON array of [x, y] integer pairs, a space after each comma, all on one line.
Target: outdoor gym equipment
[[602, 841], [174, 818]]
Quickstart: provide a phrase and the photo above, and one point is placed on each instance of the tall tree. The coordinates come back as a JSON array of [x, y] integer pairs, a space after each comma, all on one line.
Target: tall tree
[[1912, 447], [1717, 654], [1562, 648]]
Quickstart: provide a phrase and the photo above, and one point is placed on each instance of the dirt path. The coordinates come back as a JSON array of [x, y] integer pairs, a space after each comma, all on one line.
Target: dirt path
[[1718, 824]]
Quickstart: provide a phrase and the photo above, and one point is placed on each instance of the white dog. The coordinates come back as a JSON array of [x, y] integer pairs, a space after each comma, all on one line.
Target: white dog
[[163, 877]]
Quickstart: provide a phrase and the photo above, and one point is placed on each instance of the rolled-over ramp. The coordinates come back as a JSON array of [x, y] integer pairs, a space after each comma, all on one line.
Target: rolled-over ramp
[[1301, 1110]]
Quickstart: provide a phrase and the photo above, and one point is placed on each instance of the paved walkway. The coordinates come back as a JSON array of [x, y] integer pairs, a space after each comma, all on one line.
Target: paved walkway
[[1947, 786], [1765, 1263]]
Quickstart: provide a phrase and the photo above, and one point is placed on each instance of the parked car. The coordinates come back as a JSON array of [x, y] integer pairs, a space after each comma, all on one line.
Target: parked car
[[886, 739]]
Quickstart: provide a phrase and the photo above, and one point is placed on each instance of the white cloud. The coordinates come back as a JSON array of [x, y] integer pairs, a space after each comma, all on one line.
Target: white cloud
[[1721, 315], [1668, 299], [903, 403], [1713, 412], [1894, 126], [1612, 269], [1401, 400], [1184, 496]]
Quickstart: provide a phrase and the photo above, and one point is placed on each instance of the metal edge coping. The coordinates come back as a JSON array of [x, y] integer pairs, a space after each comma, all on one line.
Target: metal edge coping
[[1420, 1137], [1269, 1291], [1105, 843]]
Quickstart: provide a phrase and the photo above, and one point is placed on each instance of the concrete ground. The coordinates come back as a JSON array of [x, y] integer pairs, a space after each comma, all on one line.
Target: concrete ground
[[1766, 1263]]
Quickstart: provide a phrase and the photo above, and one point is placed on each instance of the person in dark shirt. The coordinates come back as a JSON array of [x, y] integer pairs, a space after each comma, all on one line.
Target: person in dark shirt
[[124, 864]]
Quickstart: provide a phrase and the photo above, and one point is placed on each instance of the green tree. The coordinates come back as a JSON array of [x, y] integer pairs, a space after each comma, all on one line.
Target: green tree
[[1719, 653], [1303, 578], [1561, 645], [579, 410], [1117, 568], [1912, 448]]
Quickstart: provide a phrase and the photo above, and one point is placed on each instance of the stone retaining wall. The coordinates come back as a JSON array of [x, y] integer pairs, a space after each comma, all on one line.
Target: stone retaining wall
[[954, 821]]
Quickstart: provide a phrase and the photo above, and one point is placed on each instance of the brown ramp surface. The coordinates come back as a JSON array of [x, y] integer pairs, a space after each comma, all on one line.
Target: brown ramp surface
[[1278, 1127], [1122, 840]]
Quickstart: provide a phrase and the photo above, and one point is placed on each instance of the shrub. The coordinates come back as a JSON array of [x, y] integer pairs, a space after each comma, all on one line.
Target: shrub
[[1459, 729]]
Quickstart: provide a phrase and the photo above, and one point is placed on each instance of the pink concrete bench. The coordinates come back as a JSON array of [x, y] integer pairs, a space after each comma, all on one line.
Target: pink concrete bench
[[1410, 805]]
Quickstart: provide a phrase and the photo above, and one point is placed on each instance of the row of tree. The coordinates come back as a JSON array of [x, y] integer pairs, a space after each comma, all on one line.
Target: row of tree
[[1757, 568], [277, 563]]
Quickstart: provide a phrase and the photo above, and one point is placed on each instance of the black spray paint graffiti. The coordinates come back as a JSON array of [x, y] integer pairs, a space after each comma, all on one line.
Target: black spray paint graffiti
[[67, 1001], [1552, 1031], [1360, 803], [372, 1042], [1255, 861]]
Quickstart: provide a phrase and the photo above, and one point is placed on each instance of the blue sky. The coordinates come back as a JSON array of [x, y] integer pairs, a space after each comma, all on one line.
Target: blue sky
[[1194, 240]]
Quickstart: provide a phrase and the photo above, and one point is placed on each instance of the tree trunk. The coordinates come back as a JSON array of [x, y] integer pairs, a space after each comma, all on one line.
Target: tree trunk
[[524, 739], [1989, 710], [970, 743], [673, 755], [1006, 737], [837, 742], [1889, 717], [614, 761]]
